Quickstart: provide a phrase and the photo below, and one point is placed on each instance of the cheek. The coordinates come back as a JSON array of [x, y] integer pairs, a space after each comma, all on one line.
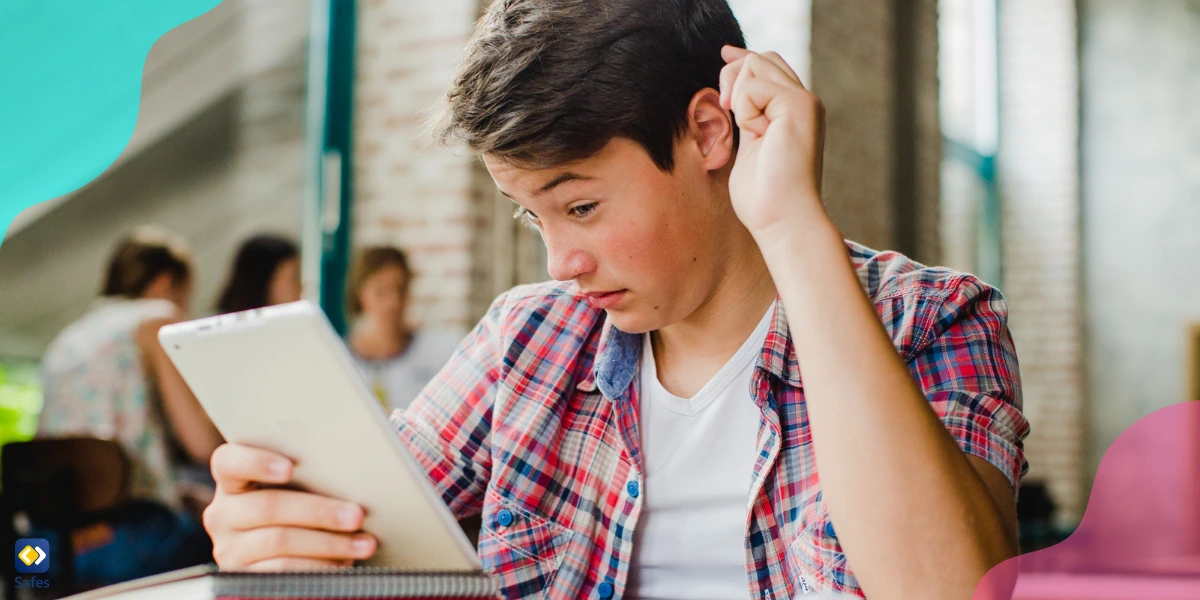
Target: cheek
[[370, 300], [645, 254], [278, 289]]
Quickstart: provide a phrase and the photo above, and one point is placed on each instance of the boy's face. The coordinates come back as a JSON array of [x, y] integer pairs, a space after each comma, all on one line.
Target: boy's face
[[642, 244]]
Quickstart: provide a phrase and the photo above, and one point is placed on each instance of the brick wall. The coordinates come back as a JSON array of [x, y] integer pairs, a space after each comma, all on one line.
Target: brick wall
[[406, 194], [1039, 180], [1141, 184]]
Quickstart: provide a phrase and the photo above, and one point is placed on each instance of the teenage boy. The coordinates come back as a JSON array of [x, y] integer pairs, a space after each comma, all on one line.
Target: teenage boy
[[718, 397]]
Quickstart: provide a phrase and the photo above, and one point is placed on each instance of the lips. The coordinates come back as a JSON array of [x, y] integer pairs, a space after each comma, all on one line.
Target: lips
[[605, 300]]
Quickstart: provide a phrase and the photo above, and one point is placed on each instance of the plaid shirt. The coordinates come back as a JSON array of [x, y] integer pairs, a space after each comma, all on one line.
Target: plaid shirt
[[534, 423]]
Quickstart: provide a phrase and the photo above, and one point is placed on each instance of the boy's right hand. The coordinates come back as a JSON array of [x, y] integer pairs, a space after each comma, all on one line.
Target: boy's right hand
[[257, 529]]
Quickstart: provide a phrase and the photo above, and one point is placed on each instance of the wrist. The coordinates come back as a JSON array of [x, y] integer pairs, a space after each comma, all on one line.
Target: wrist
[[799, 234]]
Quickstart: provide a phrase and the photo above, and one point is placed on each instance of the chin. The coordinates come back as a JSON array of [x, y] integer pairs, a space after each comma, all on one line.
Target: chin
[[636, 321]]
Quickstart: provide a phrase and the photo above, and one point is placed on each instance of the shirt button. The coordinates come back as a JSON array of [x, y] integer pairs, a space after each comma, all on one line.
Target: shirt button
[[504, 518], [829, 529], [605, 590], [632, 488]]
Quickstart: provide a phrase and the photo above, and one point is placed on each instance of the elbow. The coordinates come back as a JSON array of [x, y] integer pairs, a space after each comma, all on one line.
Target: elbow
[[987, 570], [982, 580], [996, 579], [993, 574]]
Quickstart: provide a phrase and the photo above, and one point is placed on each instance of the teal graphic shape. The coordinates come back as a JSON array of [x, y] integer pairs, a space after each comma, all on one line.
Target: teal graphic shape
[[70, 85]]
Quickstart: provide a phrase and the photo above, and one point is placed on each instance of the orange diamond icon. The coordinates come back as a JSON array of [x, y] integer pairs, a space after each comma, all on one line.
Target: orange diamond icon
[[28, 556]]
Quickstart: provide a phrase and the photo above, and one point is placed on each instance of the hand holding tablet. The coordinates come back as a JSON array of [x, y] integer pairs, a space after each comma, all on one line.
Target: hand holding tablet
[[279, 384]]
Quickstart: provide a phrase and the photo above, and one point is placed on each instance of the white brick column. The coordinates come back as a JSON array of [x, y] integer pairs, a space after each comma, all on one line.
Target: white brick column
[[1038, 175]]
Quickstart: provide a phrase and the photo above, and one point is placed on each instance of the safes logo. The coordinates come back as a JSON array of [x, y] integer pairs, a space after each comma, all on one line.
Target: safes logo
[[33, 555]]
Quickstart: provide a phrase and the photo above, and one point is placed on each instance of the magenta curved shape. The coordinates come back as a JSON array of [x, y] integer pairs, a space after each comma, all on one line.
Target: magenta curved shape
[[1140, 535]]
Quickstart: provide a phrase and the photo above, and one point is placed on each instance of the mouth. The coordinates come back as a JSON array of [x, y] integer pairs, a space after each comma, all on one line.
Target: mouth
[[605, 300]]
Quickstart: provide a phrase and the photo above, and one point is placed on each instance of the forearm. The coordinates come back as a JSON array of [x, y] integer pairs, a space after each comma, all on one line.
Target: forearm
[[910, 511], [189, 423]]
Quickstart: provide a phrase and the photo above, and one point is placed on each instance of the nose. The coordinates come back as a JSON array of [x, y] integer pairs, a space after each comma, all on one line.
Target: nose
[[566, 262]]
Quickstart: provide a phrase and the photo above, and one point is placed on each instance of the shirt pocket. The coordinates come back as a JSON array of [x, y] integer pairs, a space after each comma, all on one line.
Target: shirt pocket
[[816, 559], [521, 549]]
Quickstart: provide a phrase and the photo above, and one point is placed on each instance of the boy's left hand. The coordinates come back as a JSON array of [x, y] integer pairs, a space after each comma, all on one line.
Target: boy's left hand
[[776, 180]]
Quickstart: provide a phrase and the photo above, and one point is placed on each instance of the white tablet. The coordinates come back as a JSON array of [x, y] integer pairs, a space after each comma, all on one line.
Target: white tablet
[[281, 379]]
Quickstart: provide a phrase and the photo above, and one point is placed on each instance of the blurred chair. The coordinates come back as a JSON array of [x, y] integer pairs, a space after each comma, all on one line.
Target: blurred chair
[[59, 485], [1035, 517]]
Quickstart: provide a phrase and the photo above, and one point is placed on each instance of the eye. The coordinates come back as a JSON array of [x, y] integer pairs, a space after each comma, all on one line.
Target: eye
[[583, 210], [526, 218]]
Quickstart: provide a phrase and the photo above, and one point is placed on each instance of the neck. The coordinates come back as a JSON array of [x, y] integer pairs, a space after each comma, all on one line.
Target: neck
[[377, 340], [715, 331]]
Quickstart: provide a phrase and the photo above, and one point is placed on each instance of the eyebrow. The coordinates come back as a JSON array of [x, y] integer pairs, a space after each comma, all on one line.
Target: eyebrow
[[557, 181]]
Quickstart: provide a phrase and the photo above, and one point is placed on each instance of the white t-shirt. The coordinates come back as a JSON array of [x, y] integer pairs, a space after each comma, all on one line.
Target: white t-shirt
[[398, 380], [699, 458]]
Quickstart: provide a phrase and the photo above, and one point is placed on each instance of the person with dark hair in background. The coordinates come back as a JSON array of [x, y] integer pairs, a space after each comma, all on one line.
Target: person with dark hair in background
[[397, 359], [106, 376], [266, 271]]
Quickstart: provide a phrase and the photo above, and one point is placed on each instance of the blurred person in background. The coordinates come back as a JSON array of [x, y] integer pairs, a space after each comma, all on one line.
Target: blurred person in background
[[397, 359], [265, 272], [106, 376]]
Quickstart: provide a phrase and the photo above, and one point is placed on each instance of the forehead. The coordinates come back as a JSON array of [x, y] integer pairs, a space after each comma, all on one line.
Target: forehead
[[618, 158], [385, 274]]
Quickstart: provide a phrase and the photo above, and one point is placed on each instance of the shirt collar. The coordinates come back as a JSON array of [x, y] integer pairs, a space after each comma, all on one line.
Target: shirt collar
[[616, 362], [619, 352], [779, 353]]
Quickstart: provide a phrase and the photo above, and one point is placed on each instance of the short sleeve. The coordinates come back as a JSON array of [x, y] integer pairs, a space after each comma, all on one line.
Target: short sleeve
[[967, 368]]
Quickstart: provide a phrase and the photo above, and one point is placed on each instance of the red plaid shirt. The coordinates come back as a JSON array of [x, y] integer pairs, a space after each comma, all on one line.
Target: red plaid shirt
[[534, 423]]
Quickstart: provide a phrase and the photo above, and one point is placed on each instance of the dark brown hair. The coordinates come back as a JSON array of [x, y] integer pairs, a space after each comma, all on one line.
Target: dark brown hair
[[142, 256], [547, 82], [370, 261], [253, 268]]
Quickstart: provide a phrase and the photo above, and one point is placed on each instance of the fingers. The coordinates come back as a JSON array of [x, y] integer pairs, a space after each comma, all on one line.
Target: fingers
[[768, 65], [280, 565], [271, 508], [276, 543], [759, 88], [277, 529], [751, 65], [238, 468], [751, 103], [777, 60], [732, 53]]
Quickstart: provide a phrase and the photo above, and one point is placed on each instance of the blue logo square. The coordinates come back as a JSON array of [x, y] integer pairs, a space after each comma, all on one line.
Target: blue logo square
[[32, 555]]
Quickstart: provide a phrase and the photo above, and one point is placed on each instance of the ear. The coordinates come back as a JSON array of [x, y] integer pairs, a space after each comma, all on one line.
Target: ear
[[710, 129]]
